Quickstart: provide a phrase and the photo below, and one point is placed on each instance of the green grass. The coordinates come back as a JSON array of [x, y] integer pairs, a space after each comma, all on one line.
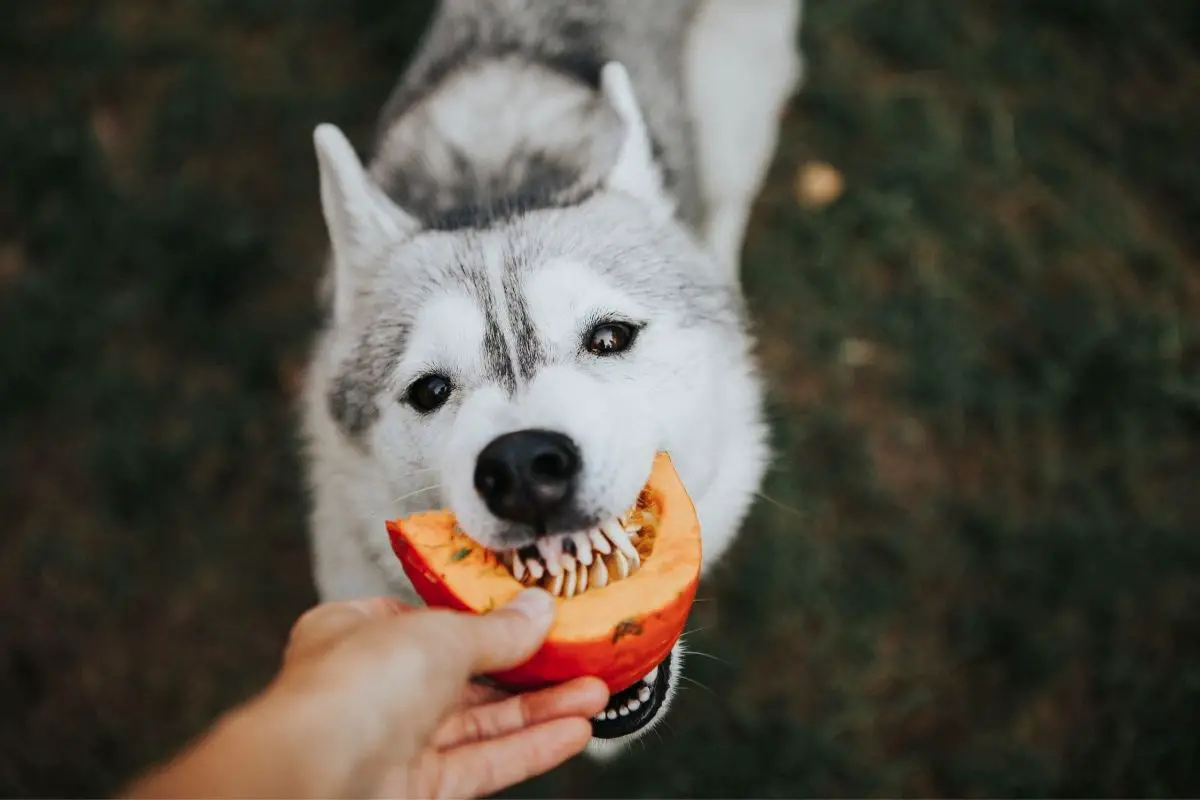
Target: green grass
[[977, 571]]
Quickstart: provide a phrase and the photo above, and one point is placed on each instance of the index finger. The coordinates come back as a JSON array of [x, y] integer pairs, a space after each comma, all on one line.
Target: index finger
[[324, 623]]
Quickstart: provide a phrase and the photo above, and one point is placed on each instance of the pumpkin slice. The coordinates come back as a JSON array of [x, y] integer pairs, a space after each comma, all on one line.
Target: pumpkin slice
[[618, 631]]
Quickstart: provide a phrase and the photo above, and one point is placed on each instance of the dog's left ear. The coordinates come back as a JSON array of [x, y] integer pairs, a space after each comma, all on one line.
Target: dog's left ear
[[361, 219], [635, 172]]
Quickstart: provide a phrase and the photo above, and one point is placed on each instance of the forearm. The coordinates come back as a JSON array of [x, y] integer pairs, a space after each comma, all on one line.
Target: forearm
[[281, 744]]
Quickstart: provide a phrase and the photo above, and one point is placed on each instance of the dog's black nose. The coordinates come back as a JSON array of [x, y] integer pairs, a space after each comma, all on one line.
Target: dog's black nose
[[527, 476]]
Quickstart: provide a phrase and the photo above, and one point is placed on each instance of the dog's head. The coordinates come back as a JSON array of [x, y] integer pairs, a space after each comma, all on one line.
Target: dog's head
[[526, 371]]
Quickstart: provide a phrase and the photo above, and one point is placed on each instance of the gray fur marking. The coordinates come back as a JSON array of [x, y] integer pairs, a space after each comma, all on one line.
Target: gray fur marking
[[571, 39]]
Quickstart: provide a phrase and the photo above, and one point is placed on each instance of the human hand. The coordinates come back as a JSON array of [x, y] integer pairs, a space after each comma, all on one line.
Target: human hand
[[375, 697], [412, 669]]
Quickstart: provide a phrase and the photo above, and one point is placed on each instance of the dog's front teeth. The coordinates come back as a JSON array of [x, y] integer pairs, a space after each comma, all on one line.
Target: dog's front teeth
[[570, 564], [536, 570], [583, 548], [601, 545], [551, 552], [644, 694]]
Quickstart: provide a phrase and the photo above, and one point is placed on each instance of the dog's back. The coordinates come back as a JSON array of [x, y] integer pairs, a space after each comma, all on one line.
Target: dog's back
[[501, 110]]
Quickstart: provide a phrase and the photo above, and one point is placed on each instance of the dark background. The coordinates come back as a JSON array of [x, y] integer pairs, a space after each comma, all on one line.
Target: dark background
[[978, 569]]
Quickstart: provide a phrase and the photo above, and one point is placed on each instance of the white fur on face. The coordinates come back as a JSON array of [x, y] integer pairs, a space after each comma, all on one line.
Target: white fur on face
[[596, 401], [620, 410]]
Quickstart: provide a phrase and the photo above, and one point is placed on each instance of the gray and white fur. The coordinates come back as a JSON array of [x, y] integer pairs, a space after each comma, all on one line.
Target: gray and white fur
[[545, 167]]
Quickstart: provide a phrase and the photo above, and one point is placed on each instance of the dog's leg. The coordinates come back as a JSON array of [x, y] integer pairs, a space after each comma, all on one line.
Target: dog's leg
[[742, 66]]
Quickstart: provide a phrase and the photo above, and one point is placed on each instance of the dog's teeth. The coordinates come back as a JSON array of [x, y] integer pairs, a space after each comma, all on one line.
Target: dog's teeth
[[644, 694], [570, 575], [611, 714], [551, 550], [623, 711], [583, 548], [620, 565], [617, 535], [518, 568], [599, 717], [635, 704], [556, 586], [598, 541], [598, 576], [536, 570], [582, 578], [650, 676]]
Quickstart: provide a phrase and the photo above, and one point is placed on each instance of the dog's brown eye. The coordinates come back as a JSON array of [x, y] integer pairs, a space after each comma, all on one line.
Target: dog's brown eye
[[610, 337], [429, 393]]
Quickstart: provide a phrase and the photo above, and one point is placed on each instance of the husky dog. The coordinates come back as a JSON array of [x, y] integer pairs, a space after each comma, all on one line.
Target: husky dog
[[533, 288]]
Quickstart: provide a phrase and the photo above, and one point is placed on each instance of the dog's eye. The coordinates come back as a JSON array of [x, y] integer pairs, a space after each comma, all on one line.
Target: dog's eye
[[610, 337], [429, 393]]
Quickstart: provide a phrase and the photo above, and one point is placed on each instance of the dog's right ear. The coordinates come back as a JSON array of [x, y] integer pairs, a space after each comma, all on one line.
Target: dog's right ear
[[635, 171], [362, 221]]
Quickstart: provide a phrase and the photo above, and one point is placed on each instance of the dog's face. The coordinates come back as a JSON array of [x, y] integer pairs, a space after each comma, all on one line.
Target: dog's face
[[526, 373]]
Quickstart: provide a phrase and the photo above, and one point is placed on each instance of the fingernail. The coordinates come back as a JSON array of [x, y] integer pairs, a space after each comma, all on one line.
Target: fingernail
[[537, 604]]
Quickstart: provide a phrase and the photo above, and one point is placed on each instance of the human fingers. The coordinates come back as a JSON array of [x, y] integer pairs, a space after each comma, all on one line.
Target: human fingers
[[459, 645], [326, 623], [510, 635], [583, 697], [479, 769]]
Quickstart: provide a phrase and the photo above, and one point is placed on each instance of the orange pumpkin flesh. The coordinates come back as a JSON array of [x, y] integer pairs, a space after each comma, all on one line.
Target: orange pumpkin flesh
[[617, 633]]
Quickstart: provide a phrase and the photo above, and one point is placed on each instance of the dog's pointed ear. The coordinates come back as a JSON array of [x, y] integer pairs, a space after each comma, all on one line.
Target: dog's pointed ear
[[360, 218], [635, 171]]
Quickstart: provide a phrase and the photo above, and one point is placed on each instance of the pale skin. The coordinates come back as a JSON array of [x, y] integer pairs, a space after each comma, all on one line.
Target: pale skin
[[376, 698]]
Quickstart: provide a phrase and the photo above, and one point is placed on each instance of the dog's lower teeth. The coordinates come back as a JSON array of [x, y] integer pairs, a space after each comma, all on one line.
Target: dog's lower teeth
[[571, 579], [650, 676], [644, 694], [622, 565], [623, 711], [634, 705], [569, 565], [598, 574]]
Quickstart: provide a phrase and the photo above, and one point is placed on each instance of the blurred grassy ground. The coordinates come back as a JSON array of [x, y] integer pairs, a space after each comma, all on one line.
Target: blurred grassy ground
[[979, 570]]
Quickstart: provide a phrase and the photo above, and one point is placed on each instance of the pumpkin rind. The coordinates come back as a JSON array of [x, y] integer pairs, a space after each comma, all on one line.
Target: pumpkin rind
[[617, 633]]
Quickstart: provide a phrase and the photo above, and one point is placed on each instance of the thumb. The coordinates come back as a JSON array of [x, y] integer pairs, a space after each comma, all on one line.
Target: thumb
[[510, 635]]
